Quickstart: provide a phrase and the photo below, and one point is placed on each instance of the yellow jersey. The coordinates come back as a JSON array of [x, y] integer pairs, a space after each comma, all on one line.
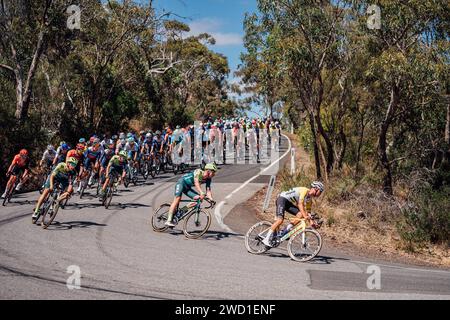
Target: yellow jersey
[[297, 195]]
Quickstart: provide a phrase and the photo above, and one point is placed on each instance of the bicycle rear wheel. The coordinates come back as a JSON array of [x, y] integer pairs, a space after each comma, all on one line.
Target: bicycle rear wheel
[[196, 224], [305, 245], [159, 218], [254, 237]]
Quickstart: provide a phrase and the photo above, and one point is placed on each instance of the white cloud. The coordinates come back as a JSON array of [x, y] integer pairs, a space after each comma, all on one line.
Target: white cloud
[[212, 27]]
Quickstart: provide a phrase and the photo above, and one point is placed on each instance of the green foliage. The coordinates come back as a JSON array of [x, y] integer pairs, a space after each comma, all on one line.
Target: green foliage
[[427, 217]]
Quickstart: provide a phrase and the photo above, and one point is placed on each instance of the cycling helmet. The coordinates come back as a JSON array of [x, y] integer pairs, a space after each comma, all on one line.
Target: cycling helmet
[[61, 143], [211, 166], [130, 139], [318, 185], [82, 140], [158, 132], [50, 148], [65, 146], [72, 161], [123, 153], [23, 152], [148, 135], [114, 137], [142, 132], [122, 135], [178, 127], [96, 141], [129, 134]]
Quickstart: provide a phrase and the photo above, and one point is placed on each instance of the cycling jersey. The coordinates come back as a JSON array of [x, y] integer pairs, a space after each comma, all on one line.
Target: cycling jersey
[[48, 156], [115, 162], [74, 154], [189, 178], [62, 172], [92, 155], [297, 195], [156, 143], [106, 157], [19, 162]]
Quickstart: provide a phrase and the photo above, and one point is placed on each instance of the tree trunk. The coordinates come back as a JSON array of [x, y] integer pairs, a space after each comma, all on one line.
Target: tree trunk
[[343, 149], [316, 149], [329, 144], [382, 139], [446, 158], [360, 143]]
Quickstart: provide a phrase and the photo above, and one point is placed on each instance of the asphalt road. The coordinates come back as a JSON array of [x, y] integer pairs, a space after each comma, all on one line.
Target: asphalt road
[[119, 256]]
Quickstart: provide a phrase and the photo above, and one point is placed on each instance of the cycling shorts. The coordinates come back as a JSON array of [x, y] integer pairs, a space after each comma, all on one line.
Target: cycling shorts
[[283, 205], [183, 188], [62, 181]]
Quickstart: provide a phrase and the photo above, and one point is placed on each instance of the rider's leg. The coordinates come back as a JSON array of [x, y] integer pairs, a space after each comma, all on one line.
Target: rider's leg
[[41, 199], [179, 188], [281, 204], [23, 180], [11, 182], [173, 208]]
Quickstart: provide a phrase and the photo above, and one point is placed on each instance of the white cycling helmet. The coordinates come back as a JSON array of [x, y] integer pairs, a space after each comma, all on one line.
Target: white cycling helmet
[[318, 185]]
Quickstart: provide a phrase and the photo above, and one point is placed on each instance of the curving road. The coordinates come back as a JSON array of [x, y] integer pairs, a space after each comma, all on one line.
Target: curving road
[[120, 257]]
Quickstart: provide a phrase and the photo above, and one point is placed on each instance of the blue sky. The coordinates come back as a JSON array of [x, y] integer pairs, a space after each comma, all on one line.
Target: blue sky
[[223, 19]]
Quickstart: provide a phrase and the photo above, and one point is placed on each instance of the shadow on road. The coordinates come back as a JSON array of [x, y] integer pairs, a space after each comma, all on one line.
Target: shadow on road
[[122, 206], [209, 235], [60, 226]]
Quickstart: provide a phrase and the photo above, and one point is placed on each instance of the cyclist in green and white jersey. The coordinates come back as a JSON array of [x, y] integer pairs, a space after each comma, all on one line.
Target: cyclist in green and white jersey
[[190, 185], [116, 165]]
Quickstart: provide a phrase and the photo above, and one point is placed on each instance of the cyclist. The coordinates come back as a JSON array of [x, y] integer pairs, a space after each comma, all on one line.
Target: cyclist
[[62, 174], [18, 168], [78, 154], [106, 156], [132, 149], [61, 154], [91, 158], [190, 185], [296, 201], [48, 157], [121, 145], [157, 145], [116, 165]]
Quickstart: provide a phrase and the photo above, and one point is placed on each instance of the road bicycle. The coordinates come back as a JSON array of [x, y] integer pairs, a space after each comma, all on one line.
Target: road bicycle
[[196, 220], [9, 192], [51, 206], [111, 188], [303, 243]]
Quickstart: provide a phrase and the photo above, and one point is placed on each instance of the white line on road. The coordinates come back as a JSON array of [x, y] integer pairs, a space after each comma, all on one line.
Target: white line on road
[[217, 212]]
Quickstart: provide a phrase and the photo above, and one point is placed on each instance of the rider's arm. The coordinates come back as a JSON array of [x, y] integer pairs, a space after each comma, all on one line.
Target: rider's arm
[[199, 188], [52, 179], [302, 214], [208, 190]]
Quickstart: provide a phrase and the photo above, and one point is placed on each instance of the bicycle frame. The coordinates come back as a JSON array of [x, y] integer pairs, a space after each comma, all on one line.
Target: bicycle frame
[[300, 227]]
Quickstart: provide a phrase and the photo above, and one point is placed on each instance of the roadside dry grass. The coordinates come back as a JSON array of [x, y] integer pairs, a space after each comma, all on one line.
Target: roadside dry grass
[[358, 219]]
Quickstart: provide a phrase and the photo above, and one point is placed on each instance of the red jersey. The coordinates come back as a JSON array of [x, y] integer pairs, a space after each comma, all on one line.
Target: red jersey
[[74, 154], [20, 162]]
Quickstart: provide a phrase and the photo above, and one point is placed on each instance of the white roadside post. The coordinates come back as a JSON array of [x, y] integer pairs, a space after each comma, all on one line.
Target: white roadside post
[[292, 161], [269, 192]]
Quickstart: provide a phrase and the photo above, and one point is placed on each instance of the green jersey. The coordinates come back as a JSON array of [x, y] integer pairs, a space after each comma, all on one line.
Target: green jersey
[[115, 162], [62, 172], [189, 178]]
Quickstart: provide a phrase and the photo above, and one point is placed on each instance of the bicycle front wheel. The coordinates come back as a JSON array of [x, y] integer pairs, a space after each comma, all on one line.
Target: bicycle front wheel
[[50, 214], [159, 218], [196, 224], [305, 245], [109, 195], [254, 237]]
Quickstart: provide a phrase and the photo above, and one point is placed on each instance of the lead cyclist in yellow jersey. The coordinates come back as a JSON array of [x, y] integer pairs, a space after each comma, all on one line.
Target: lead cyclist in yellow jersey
[[296, 201]]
